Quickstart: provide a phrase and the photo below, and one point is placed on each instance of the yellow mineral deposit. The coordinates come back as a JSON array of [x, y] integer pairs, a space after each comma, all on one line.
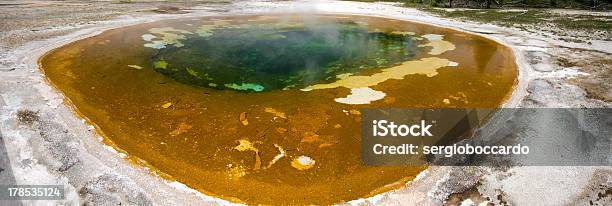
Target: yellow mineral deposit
[[426, 66], [165, 36], [354, 112], [363, 95], [243, 118], [323, 145], [192, 72], [453, 64], [236, 171], [205, 30], [275, 112], [403, 33], [160, 64], [166, 105], [438, 46], [135, 67], [246, 145], [359, 85]]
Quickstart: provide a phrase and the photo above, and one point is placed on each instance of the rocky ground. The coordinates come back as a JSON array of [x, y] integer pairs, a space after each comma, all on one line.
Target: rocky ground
[[44, 142]]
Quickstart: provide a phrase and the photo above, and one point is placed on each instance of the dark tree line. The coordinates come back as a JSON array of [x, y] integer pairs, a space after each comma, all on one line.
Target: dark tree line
[[576, 4]]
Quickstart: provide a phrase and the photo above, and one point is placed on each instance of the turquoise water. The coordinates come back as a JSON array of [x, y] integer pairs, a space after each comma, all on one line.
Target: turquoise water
[[265, 57]]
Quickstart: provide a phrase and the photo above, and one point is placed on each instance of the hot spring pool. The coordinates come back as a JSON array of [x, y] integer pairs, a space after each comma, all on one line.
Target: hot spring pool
[[265, 109]]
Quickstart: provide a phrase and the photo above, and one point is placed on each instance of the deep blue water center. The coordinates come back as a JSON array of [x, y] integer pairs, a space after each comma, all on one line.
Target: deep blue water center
[[264, 57]]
